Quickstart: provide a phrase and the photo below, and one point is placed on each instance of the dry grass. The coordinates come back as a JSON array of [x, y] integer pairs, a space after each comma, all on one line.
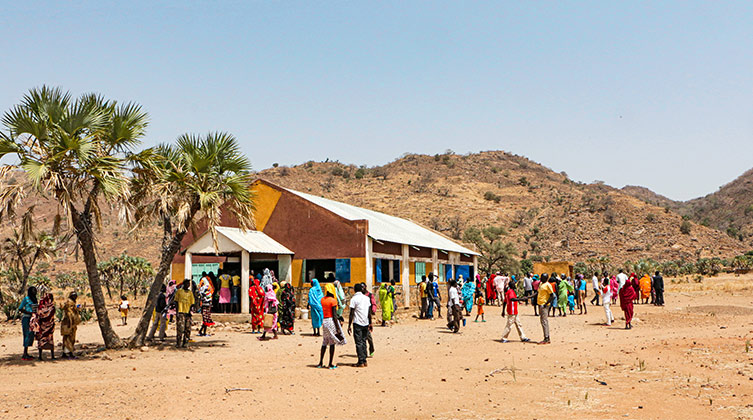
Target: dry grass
[[728, 283]]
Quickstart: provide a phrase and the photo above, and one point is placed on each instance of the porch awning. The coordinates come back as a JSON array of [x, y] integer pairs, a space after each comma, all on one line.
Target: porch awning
[[231, 240]]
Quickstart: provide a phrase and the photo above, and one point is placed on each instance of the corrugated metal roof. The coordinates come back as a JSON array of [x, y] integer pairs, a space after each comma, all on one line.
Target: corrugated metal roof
[[252, 241], [384, 227]]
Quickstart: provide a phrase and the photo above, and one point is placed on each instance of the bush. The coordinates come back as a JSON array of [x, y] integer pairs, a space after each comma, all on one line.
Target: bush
[[360, 172], [650, 217], [685, 227], [337, 171], [490, 196], [523, 181], [10, 310]]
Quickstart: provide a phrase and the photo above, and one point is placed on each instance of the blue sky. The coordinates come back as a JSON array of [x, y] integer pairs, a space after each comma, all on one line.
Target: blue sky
[[644, 93]]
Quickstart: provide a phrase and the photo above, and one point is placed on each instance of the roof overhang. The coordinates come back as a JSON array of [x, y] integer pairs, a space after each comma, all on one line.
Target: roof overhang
[[232, 240]]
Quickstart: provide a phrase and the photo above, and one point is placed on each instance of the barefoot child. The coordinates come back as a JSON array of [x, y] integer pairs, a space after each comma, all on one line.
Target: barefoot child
[[479, 306], [124, 307]]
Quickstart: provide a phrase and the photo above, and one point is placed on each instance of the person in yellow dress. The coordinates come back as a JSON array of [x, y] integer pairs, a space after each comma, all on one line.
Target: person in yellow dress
[[69, 325]]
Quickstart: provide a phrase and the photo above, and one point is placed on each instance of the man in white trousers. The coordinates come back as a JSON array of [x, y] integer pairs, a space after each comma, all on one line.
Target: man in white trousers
[[511, 311]]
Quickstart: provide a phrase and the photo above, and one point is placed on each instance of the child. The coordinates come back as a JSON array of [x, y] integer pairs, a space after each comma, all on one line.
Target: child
[[124, 307], [571, 303], [479, 306]]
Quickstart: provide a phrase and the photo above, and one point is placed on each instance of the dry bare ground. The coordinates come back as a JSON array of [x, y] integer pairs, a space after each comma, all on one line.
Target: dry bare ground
[[687, 360]]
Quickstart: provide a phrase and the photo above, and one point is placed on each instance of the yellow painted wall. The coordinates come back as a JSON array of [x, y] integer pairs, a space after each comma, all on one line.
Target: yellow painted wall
[[558, 267], [265, 200], [412, 273], [357, 270], [429, 269], [178, 271], [296, 273]]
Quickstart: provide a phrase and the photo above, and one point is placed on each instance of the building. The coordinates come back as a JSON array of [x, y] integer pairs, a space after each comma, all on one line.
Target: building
[[328, 238]]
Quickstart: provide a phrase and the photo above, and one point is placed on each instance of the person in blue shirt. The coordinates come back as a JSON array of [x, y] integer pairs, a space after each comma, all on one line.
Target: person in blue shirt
[[27, 307]]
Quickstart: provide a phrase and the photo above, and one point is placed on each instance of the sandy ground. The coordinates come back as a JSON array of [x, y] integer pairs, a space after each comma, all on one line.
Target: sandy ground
[[687, 360]]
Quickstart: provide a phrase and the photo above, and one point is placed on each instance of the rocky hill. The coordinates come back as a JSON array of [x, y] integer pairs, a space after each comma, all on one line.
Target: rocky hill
[[546, 213], [730, 209]]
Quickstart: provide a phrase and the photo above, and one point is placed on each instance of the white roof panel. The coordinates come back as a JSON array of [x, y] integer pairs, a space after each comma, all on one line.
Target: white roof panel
[[231, 239], [384, 227]]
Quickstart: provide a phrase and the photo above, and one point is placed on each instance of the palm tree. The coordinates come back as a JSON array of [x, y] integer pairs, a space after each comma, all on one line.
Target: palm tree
[[76, 152], [197, 177]]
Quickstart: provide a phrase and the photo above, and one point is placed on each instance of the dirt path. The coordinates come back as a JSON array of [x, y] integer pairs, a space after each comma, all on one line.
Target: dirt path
[[687, 360]]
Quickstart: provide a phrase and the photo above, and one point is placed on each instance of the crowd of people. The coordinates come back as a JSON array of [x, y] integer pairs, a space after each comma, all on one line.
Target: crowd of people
[[272, 306]]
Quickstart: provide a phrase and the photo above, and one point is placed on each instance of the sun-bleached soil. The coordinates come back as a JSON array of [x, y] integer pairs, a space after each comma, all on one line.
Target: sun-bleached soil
[[687, 360]]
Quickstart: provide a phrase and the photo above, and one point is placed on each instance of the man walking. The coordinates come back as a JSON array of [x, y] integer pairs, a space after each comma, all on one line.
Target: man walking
[[434, 293], [360, 315], [160, 316], [544, 300], [596, 288], [511, 309], [455, 312], [424, 297], [528, 287], [184, 300], [658, 287], [622, 278]]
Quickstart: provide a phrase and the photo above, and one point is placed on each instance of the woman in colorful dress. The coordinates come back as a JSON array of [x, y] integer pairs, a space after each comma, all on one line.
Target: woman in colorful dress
[[69, 325], [256, 301], [645, 288], [225, 294], [468, 289], [385, 302], [206, 290], [27, 308], [315, 306], [43, 325], [287, 308], [271, 305], [332, 333], [627, 294]]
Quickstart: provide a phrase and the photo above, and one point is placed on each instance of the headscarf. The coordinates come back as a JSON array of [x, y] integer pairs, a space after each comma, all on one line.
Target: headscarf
[[315, 294], [340, 296], [270, 297], [266, 280], [43, 322]]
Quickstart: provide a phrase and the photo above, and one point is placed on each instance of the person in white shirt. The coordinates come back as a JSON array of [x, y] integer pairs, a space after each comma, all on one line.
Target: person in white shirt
[[595, 286], [528, 286], [453, 307], [360, 315], [622, 278]]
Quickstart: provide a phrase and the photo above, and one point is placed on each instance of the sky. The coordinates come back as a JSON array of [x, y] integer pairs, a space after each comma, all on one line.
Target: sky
[[658, 94]]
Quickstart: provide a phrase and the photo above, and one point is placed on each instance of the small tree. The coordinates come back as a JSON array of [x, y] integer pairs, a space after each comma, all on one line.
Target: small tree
[[198, 176], [495, 253], [25, 247]]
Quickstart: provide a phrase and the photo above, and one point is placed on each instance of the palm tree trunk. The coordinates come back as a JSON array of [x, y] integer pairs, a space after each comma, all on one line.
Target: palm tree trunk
[[83, 229], [168, 253]]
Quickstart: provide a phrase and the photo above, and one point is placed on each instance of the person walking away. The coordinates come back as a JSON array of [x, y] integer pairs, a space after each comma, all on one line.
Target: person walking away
[[160, 315], [596, 288], [424, 299], [385, 302], [527, 287], [564, 289], [627, 295], [27, 308], [614, 285], [184, 300], [479, 305], [453, 303], [659, 288], [315, 306], [544, 300], [69, 325], [645, 284], [43, 325], [331, 332], [256, 305], [359, 322], [287, 308], [511, 313], [491, 290], [500, 282], [271, 304], [606, 301], [124, 306], [205, 296]]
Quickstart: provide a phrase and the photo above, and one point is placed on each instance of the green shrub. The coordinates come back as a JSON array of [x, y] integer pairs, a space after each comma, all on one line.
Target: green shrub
[[685, 227], [490, 196]]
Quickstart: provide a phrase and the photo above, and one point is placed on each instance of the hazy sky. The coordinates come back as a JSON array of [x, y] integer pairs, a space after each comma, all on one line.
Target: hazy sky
[[643, 93]]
